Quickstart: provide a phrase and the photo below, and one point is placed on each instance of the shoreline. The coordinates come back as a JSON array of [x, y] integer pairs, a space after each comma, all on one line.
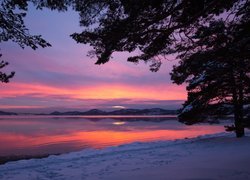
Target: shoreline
[[16, 158], [215, 156]]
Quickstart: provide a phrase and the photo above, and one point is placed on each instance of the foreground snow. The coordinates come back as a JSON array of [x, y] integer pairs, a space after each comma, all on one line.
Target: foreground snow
[[219, 156]]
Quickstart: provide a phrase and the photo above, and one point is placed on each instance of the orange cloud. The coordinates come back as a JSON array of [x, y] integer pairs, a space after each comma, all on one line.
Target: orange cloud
[[101, 91], [127, 91]]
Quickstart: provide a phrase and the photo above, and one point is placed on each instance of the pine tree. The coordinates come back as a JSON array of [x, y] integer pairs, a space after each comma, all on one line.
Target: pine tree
[[217, 70]]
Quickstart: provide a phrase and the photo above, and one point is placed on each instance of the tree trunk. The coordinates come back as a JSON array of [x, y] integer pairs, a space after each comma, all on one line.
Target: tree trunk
[[239, 128], [238, 108], [240, 132]]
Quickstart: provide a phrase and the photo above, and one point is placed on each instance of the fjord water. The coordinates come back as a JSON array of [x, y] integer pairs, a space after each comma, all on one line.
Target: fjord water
[[44, 135]]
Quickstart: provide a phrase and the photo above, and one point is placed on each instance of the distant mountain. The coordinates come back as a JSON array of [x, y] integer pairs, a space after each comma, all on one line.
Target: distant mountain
[[90, 112], [7, 113], [95, 112], [67, 113], [153, 111]]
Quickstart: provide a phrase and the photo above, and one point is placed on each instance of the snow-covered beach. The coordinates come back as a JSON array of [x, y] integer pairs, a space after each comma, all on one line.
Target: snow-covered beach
[[216, 156]]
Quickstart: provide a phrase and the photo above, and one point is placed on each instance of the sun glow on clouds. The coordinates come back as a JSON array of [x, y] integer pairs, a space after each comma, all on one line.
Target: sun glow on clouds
[[102, 91], [113, 96], [119, 123], [119, 107]]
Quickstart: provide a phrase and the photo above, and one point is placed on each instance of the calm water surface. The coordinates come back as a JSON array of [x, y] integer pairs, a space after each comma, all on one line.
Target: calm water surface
[[42, 135]]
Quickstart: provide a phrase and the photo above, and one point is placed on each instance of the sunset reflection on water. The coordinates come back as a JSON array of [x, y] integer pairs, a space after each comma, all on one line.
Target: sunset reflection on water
[[53, 135]]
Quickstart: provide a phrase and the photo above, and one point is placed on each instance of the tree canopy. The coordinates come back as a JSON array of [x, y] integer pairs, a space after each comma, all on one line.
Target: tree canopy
[[154, 27], [217, 71], [12, 28]]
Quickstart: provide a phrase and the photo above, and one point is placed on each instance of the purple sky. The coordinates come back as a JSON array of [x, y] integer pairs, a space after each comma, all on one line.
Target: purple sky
[[62, 77]]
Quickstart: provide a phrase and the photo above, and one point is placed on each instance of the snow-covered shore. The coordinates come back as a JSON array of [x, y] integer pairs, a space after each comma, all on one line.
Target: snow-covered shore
[[218, 156]]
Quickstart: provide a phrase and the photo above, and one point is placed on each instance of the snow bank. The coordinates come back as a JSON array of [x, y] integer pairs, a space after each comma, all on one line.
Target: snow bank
[[177, 159]]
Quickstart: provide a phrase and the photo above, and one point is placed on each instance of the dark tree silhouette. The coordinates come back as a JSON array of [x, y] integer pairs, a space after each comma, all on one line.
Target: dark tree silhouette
[[12, 28], [217, 71], [152, 26], [3, 76]]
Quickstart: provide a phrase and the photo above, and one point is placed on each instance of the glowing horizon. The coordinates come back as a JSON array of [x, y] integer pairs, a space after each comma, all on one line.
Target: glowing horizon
[[63, 77]]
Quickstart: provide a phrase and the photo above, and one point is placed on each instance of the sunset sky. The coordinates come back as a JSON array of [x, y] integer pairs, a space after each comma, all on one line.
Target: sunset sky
[[62, 77]]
